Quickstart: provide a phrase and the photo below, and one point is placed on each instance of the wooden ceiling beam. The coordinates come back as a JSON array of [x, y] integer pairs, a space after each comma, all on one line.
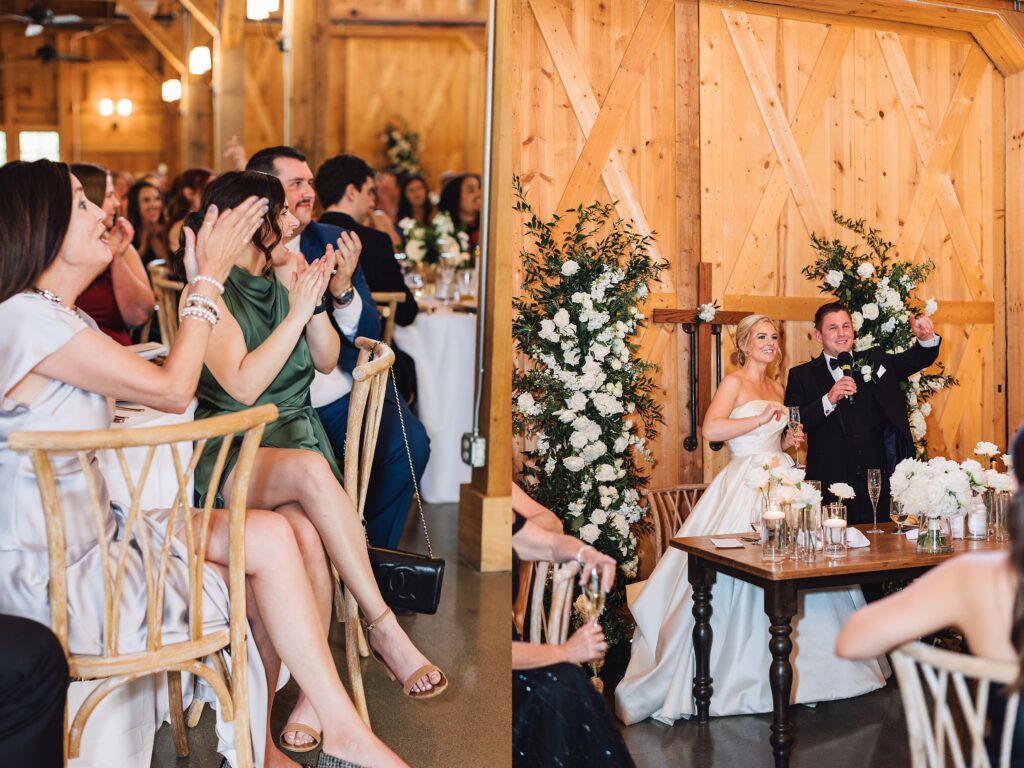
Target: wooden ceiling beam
[[155, 34], [131, 49], [205, 13]]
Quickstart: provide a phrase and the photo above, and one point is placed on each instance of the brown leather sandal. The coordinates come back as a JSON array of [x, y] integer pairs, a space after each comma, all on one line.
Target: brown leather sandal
[[426, 669], [300, 728]]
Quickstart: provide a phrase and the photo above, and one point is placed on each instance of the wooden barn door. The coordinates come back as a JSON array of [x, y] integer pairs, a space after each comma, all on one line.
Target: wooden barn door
[[902, 126]]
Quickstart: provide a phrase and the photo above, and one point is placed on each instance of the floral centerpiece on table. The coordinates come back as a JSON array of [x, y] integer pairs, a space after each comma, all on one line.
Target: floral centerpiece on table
[[932, 491], [584, 397], [425, 243], [877, 288], [402, 148]]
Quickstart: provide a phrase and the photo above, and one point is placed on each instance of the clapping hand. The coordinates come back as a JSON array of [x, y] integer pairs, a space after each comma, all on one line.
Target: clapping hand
[[120, 237], [307, 287], [221, 238], [922, 327], [234, 151], [347, 259]]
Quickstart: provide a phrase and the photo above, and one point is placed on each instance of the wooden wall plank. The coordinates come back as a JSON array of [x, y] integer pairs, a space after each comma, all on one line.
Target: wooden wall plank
[[1013, 284]]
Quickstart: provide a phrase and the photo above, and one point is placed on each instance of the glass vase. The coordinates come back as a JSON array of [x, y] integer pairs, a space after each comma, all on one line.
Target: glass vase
[[934, 536]]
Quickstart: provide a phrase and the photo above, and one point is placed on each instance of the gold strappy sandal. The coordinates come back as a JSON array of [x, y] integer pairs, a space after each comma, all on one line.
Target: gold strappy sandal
[[426, 669], [300, 728]]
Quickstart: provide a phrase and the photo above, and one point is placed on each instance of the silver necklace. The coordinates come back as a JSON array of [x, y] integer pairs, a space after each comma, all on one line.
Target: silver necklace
[[54, 299]]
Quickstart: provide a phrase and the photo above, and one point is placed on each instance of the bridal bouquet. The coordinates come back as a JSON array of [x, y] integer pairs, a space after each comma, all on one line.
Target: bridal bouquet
[[402, 150], [425, 243], [582, 395], [877, 288]]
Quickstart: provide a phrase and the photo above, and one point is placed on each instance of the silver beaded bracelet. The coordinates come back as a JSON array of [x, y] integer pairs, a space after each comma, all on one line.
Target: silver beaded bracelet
[[206, 278], [200, 314]]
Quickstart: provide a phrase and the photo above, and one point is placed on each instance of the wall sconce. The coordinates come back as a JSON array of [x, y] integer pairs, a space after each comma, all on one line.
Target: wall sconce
[[124, 107], [199, 60], [171, 90], [106, 107]]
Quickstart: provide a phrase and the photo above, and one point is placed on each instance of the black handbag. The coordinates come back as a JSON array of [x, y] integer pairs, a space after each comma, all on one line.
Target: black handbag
[[407, 580]]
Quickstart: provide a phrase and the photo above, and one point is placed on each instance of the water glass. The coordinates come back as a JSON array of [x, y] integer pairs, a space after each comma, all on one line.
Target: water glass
[[977, 518], [773, 535], [1000, 515], [466, 283], [808, 533], [833, 524]]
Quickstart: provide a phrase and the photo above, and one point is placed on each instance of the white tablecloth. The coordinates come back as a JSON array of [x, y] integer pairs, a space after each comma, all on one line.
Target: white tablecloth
[[443, 345], [120, 732]]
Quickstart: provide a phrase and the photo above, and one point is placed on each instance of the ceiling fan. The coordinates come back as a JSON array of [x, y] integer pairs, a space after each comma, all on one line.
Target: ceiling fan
[[38, 17], [47, 54]]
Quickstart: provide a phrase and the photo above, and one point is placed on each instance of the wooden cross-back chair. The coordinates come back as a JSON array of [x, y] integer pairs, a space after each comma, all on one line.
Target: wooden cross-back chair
[[387, 305], [168, 293], [365, 406], [552, 625], [113, 666], [931, 732], [669, 509]]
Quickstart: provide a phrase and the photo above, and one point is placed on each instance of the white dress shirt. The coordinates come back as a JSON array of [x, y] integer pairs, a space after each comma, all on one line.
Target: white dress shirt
[[330, 387], [837, 373]]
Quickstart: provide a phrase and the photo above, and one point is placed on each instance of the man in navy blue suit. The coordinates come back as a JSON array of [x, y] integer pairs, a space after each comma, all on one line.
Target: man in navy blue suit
[[353, 314]]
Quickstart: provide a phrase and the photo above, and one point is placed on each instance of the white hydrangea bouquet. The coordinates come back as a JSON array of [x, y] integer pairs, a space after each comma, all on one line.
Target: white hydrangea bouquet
[[425, 244], [582, 396], [402, 149], [935, 488], [877, 288]]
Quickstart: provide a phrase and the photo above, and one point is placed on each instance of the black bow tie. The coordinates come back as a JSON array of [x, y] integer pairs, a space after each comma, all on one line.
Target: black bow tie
[[833, 363]]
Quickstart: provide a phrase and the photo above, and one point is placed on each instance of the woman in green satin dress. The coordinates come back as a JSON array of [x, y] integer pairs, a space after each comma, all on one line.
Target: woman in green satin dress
[[264, 350]]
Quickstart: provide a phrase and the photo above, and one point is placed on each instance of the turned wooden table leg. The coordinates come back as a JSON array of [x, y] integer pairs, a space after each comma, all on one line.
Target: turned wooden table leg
[[701, 578], [780, 605]]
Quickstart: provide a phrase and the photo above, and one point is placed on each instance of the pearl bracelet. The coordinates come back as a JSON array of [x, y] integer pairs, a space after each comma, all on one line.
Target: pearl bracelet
[[206, 278], [200, 314], [198, 300]]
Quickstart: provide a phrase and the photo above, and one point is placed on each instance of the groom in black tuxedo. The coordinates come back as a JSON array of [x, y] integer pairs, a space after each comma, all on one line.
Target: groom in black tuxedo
[[852, 423]]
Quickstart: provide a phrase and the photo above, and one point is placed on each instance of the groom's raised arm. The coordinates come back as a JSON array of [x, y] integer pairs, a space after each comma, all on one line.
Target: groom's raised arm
[[812, 410], [921, 354]]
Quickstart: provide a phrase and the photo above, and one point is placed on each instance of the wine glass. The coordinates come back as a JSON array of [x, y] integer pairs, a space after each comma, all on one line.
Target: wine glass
[[898, 515], [794, 425], [593, 607], [874, 491]]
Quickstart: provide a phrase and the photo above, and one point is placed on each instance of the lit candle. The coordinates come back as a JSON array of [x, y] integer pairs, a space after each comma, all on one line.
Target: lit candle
[[774, 515], [834, 522]]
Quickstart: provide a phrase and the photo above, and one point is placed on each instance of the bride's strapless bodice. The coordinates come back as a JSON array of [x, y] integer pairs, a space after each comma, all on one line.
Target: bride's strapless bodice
[[763, 439]]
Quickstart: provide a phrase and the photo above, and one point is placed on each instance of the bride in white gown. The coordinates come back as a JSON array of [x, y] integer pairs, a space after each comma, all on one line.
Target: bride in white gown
[[746, 412]]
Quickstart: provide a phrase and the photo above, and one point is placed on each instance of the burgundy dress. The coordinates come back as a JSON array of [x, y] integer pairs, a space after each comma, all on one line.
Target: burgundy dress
[[99, 303]]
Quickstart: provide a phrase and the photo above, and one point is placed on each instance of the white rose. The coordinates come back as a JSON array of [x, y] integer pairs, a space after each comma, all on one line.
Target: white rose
[[573, 463], [599, 351], [864, 342], [621, 443], [571, 357], [577, 401], [598, 517], [527, 405], [931, 307], [834, 278], [866, 270], [926, 409], [707, 312], [865, 371], [415, 250], [870, 311], [589, 533], [578, 440], [858, 320], [841, 491], [605, 473], [889, 325], [561, 318], [570, 268]]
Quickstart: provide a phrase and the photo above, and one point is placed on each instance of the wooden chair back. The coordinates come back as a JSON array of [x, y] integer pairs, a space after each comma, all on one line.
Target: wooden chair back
[[387, 305], [53, 453], [670, 507], [365, 406], [933, 731], [168, 294], [549, 588]]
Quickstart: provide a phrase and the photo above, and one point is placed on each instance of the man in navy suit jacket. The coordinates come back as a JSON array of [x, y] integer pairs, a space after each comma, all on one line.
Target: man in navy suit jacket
[[353, 314]]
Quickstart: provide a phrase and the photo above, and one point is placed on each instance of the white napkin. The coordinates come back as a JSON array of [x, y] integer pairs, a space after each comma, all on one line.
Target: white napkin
[[912, 534], [855, 539]]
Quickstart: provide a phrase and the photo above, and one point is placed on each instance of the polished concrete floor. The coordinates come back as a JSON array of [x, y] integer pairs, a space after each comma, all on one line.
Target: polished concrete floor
[[866, 732], [470, 724]]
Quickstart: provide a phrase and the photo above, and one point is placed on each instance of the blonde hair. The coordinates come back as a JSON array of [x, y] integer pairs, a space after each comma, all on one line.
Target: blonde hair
[[744, 329]]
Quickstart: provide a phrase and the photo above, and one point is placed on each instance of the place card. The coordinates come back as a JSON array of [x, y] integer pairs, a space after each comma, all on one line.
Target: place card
[[727, 543]]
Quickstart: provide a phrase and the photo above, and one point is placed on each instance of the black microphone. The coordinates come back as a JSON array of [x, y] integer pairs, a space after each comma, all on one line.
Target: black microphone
[[845, 360]]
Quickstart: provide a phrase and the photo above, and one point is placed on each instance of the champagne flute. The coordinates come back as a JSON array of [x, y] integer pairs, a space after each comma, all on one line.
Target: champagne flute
[[874, 491], [794, 425], [593, 606]]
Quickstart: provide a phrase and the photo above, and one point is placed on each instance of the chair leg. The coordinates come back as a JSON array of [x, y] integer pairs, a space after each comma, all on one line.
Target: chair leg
[[195, 712], [177, 714], [355, 672]]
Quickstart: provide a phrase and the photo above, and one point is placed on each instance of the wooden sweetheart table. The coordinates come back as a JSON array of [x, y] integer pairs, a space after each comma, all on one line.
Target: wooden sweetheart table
[[889, 557]]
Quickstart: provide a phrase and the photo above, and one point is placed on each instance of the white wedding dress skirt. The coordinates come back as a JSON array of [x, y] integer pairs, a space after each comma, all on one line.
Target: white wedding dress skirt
[[659, 679]]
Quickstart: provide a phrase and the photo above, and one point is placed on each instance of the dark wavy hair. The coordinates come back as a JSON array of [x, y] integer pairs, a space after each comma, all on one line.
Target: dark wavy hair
[[1016, 528], [195, 179], [135, 215], [227, 191], [35, 210], [405, 207], [451, 200]]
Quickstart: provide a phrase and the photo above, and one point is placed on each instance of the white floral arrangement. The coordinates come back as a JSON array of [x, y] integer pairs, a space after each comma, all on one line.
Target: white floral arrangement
[[583, 396], [706, 313], [975, 474], [935, 488], [402, 149], [842, 491], [878, 290], [425, 244], [986, 450]]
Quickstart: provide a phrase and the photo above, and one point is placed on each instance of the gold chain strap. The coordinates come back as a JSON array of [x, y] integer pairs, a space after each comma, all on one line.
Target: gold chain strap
[[408, 454]]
